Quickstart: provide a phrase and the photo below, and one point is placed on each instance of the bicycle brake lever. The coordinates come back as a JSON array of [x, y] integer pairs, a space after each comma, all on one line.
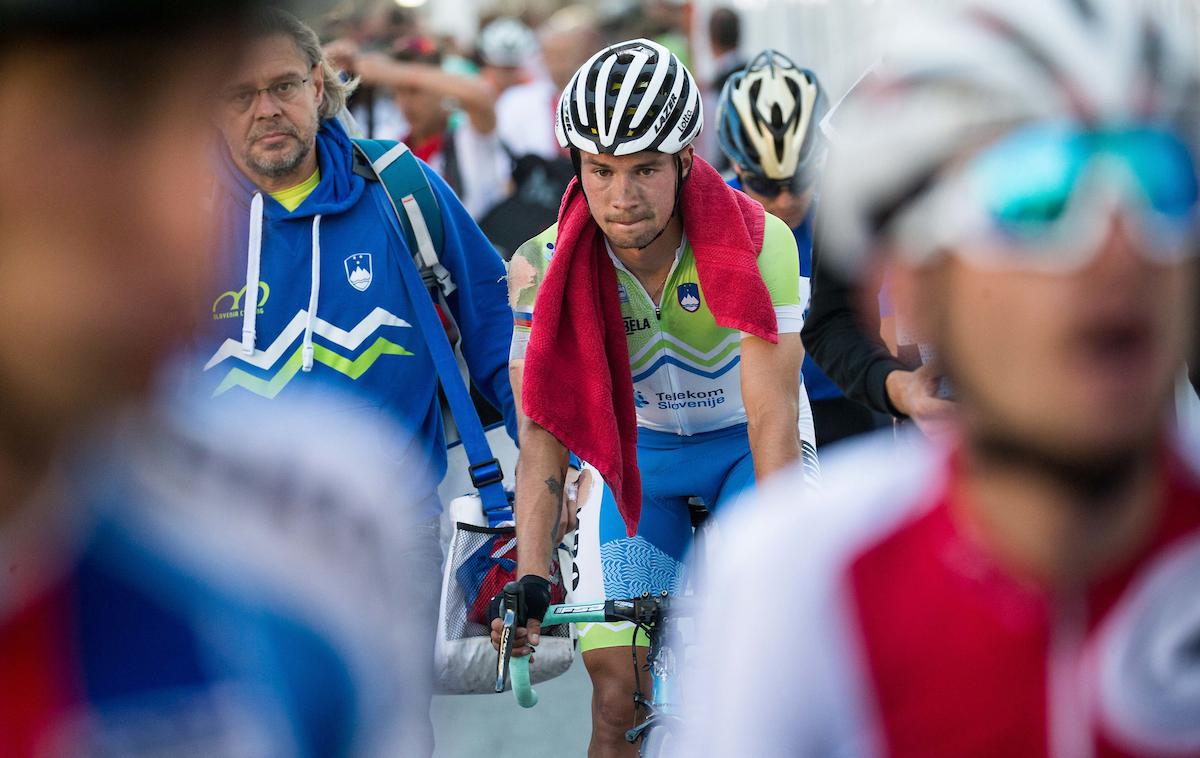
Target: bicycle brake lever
[[506, 644], [509, 608]]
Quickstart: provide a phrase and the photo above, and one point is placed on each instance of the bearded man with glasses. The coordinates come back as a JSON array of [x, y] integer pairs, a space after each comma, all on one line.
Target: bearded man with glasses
[[310, 290]]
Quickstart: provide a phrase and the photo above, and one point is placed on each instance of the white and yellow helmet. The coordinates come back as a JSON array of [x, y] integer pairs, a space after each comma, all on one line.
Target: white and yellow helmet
[[768, 115]]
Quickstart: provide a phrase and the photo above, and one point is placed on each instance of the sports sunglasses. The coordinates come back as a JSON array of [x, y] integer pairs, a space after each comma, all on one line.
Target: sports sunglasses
[[1041, 197]]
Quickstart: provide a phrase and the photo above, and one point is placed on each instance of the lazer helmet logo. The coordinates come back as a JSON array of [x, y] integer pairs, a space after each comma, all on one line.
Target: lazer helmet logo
[[667, 110], [235, 302]]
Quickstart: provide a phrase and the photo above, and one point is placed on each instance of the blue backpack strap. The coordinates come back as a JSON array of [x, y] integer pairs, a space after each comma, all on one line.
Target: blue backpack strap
[[404, 182], [485, 471]]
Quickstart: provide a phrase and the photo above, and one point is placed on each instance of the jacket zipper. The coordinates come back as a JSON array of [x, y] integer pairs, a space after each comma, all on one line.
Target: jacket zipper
[[658, 320]]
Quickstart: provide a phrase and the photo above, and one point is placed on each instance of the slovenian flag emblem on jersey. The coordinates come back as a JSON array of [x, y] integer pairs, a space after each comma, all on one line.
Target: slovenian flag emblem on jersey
[[689, 296]]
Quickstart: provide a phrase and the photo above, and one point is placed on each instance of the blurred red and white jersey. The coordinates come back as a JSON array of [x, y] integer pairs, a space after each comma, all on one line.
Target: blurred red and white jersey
[[874, 620]]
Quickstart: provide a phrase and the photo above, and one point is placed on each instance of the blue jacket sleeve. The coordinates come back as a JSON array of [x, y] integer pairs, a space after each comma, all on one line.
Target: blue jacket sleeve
[[480, 302]]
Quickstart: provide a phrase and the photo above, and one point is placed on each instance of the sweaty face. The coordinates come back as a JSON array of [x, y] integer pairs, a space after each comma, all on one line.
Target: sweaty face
[[271, 139], [631, 196], [1079, 366]]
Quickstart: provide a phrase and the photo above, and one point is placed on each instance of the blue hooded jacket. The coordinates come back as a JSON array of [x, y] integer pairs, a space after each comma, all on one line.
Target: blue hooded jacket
[[330, 307]]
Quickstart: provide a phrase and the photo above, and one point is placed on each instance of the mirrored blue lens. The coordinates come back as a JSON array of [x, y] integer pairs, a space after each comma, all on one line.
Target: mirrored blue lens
[[1026, 180], [1164, 168]]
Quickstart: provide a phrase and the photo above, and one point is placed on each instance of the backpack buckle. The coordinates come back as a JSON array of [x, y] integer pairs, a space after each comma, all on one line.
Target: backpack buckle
[[486, 473]]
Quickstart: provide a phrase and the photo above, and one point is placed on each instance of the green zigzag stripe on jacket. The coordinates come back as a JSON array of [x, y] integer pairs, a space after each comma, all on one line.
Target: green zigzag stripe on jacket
[[269, 388]]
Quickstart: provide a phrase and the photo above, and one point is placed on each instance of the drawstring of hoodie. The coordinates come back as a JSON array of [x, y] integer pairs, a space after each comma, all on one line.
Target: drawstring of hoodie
[[312, 294], [253, 266], [253, 261]]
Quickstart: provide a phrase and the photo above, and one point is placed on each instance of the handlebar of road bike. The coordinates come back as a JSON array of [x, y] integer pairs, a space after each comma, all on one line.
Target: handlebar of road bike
[[640, 609]]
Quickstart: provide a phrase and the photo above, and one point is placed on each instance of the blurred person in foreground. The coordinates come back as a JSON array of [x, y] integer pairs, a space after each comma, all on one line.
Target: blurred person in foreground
[[767, 126], [310, 292], [147, 606], [1026, 171]]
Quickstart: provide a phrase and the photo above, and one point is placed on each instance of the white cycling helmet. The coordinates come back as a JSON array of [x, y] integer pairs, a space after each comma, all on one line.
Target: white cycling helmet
[[767, 118], [506, 42], [630, 97], [958, 76]]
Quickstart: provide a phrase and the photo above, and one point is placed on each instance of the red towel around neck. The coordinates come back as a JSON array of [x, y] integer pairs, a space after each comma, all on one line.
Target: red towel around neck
[[577, 382]]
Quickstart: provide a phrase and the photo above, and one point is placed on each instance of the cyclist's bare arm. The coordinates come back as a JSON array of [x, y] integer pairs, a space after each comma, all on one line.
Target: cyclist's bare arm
[[566, 519], [541, 479], [770, 390]]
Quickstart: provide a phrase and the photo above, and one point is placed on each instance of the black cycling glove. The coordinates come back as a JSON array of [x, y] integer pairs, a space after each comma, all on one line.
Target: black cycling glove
[[535, 601]]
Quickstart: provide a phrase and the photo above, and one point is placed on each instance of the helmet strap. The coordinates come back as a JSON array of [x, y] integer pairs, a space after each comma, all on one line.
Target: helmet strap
[[577, 164]]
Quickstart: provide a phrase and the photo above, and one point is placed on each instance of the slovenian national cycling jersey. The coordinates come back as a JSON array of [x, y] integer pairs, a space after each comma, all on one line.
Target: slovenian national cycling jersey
[[686, 368]]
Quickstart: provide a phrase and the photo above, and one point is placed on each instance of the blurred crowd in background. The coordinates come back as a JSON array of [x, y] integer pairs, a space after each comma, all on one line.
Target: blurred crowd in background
[[464, 106]]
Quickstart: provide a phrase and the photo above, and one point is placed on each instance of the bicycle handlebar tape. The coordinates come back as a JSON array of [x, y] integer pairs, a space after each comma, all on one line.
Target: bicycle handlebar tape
[[518, 672]]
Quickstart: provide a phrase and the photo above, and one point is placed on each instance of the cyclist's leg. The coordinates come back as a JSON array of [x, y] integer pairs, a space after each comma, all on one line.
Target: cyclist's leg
[[739, 474], [613, 565], [614, 681]]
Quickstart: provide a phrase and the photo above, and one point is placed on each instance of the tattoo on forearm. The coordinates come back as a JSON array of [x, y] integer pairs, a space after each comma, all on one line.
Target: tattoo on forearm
[[555, 487]]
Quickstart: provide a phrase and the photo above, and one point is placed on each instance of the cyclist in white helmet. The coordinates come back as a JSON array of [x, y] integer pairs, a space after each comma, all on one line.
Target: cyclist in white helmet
[[1025, 172], [668, 309]]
